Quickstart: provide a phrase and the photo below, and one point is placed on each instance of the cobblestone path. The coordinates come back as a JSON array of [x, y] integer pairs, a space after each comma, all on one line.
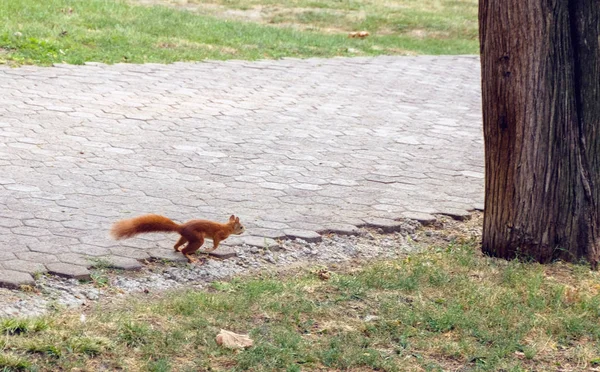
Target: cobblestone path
[[293, 147]]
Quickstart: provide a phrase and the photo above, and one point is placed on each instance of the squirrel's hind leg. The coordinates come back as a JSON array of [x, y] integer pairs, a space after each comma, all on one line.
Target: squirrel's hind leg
[[179, 243], [191, 247]]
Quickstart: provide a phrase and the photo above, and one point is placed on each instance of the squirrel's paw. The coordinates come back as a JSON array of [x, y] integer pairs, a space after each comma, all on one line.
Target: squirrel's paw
[[190, 258], [194, 260]]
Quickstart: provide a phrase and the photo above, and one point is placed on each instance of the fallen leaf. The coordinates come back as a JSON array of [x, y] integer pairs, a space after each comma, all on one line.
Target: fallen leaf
[[233, 340], [370, 318], [359, 34], [324, 274], [333, 326]]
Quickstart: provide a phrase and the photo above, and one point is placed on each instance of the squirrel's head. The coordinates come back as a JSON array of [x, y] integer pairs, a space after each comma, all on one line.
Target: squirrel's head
[[238, 228]]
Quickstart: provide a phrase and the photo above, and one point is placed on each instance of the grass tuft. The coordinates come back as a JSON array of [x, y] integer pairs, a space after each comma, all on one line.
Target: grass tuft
[[88, 346], [10, 363], [16, 326], [49, 350], [134, 334]]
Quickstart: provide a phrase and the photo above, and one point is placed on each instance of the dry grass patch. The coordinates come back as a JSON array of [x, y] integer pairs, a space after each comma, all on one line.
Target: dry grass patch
[[447, 308], [434, 18], [422, 21]]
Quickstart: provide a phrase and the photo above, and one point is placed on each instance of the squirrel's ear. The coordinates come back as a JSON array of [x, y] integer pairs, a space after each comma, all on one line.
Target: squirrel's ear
[[237, 220], [232, 218]]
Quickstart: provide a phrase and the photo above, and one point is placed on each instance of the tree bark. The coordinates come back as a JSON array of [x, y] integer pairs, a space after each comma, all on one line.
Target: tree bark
[[540, 71]]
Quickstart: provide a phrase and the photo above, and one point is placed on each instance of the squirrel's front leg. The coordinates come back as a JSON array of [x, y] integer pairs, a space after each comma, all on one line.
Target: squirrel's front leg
[[216, 242]]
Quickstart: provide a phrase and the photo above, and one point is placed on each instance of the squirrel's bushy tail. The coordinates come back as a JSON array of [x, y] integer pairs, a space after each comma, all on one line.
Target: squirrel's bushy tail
[[143, 224]]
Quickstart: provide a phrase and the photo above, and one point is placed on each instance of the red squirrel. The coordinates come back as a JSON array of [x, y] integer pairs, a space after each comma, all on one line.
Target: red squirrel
[[192, 232]]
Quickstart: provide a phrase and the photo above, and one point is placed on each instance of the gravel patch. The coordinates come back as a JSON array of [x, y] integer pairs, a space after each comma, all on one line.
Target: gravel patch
[[51, 292]]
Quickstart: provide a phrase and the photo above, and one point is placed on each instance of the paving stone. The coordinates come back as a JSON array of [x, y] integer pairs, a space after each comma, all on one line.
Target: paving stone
[[7, 256], [233, 241], [306, 235], [381, 179], [340, 229], [68, 270], [306, 186], [261, 242], [308, 226], [30, 231], [23, 188], [10, 222], [418, 208], [15, 279], [424, 218], [273, 185], [386, 225], [166, 255], [75, 259], [137, 254], [116, 262], [24, 266], [479, 206], [457, 214], [223, 252], [41, 258], [89, 250], [341, 182], [267, 233]]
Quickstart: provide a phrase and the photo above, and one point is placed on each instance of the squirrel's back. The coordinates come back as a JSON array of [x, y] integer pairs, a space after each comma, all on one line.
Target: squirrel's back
[[143, 224]]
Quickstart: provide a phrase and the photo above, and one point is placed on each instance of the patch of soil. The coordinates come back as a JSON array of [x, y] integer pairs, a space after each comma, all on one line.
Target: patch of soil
[[446, 229], [216, 10], [272, 15], [424, 34]]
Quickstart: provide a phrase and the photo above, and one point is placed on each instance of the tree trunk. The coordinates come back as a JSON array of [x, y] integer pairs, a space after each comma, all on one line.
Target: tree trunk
[[540, 72]]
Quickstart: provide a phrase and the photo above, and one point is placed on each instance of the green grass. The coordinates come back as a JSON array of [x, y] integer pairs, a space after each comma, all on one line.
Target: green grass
[[443, 309], [77, 31], [444, 19]]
